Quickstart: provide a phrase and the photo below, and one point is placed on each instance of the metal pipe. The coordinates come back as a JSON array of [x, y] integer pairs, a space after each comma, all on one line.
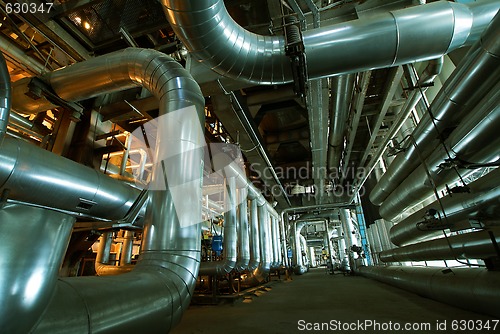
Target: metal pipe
[[243, 231], [17, 119], [468, 84], [254, 236], [32, 244], [475, 139], [5, 97], [473, 245], [481, 204], [261, 273], [14, 52], [163, 280], [230, 253], [102, 266], [274, 241], [127, 248], [472, 289], [389, 39], [342, 90], [32, 175]]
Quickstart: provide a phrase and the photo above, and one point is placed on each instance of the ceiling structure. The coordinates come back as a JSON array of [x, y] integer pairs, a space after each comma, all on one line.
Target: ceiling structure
[[316, 143]]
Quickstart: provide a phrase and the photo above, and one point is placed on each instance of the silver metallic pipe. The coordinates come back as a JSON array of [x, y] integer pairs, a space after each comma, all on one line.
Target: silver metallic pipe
[[482, 203], [5, 97], [474, 245], [243, 232], [230, 241], [33, 175], [17, 119], [213, 37], [342, 90], [475, 139], [24, 103], [254, 236], [127, 248], [471, 289], [468, 84], [261, 273], [32, 244], [162, 283], [274, 240], [14, 52], [304, 252], [102, 266]]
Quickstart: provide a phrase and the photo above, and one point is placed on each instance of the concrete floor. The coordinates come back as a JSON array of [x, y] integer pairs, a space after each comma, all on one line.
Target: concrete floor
[[319, 298]]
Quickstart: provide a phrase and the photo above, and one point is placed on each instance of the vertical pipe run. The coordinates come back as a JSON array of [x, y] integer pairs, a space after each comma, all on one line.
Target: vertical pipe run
[[127, 248], [243, 230], [254, 236], [5, 97], [32, 243]]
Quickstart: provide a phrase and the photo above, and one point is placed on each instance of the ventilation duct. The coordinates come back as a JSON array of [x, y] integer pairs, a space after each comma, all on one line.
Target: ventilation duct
[[472, 289], [162, 282], [475, 76], [399, 37], [482, 203]]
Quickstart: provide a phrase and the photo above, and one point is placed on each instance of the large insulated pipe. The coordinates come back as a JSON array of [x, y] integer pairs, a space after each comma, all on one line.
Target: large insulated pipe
[[39, 177], [482, 203], [475, 76], [102, 266], [160, 287], [342, 87], [32, 244], [254, 236], [127, 248], [5, 96], [472, 289], [398, 37], [243, 232], [14, 52], [261, 273], [297, 264], [230, 241], [473, 245], [474, 140]]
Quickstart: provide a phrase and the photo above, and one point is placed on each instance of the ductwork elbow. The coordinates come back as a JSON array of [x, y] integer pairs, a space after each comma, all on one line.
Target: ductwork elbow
[[399, 37]]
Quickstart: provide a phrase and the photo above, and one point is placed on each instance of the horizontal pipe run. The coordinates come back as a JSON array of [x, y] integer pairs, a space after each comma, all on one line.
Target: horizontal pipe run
[[214, 38], [474, 245], [472, 289], [473, 78], [482, 204]]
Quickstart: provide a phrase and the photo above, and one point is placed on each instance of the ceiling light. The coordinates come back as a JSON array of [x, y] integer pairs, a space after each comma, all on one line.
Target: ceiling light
[[78, 20], [86, 25]]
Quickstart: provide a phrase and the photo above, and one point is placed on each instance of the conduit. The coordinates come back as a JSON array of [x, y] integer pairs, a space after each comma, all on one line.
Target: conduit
[[102, 266], [398, 37], [472, 289], [5, 97], [482, 204], [475, 76], [160, 286]]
